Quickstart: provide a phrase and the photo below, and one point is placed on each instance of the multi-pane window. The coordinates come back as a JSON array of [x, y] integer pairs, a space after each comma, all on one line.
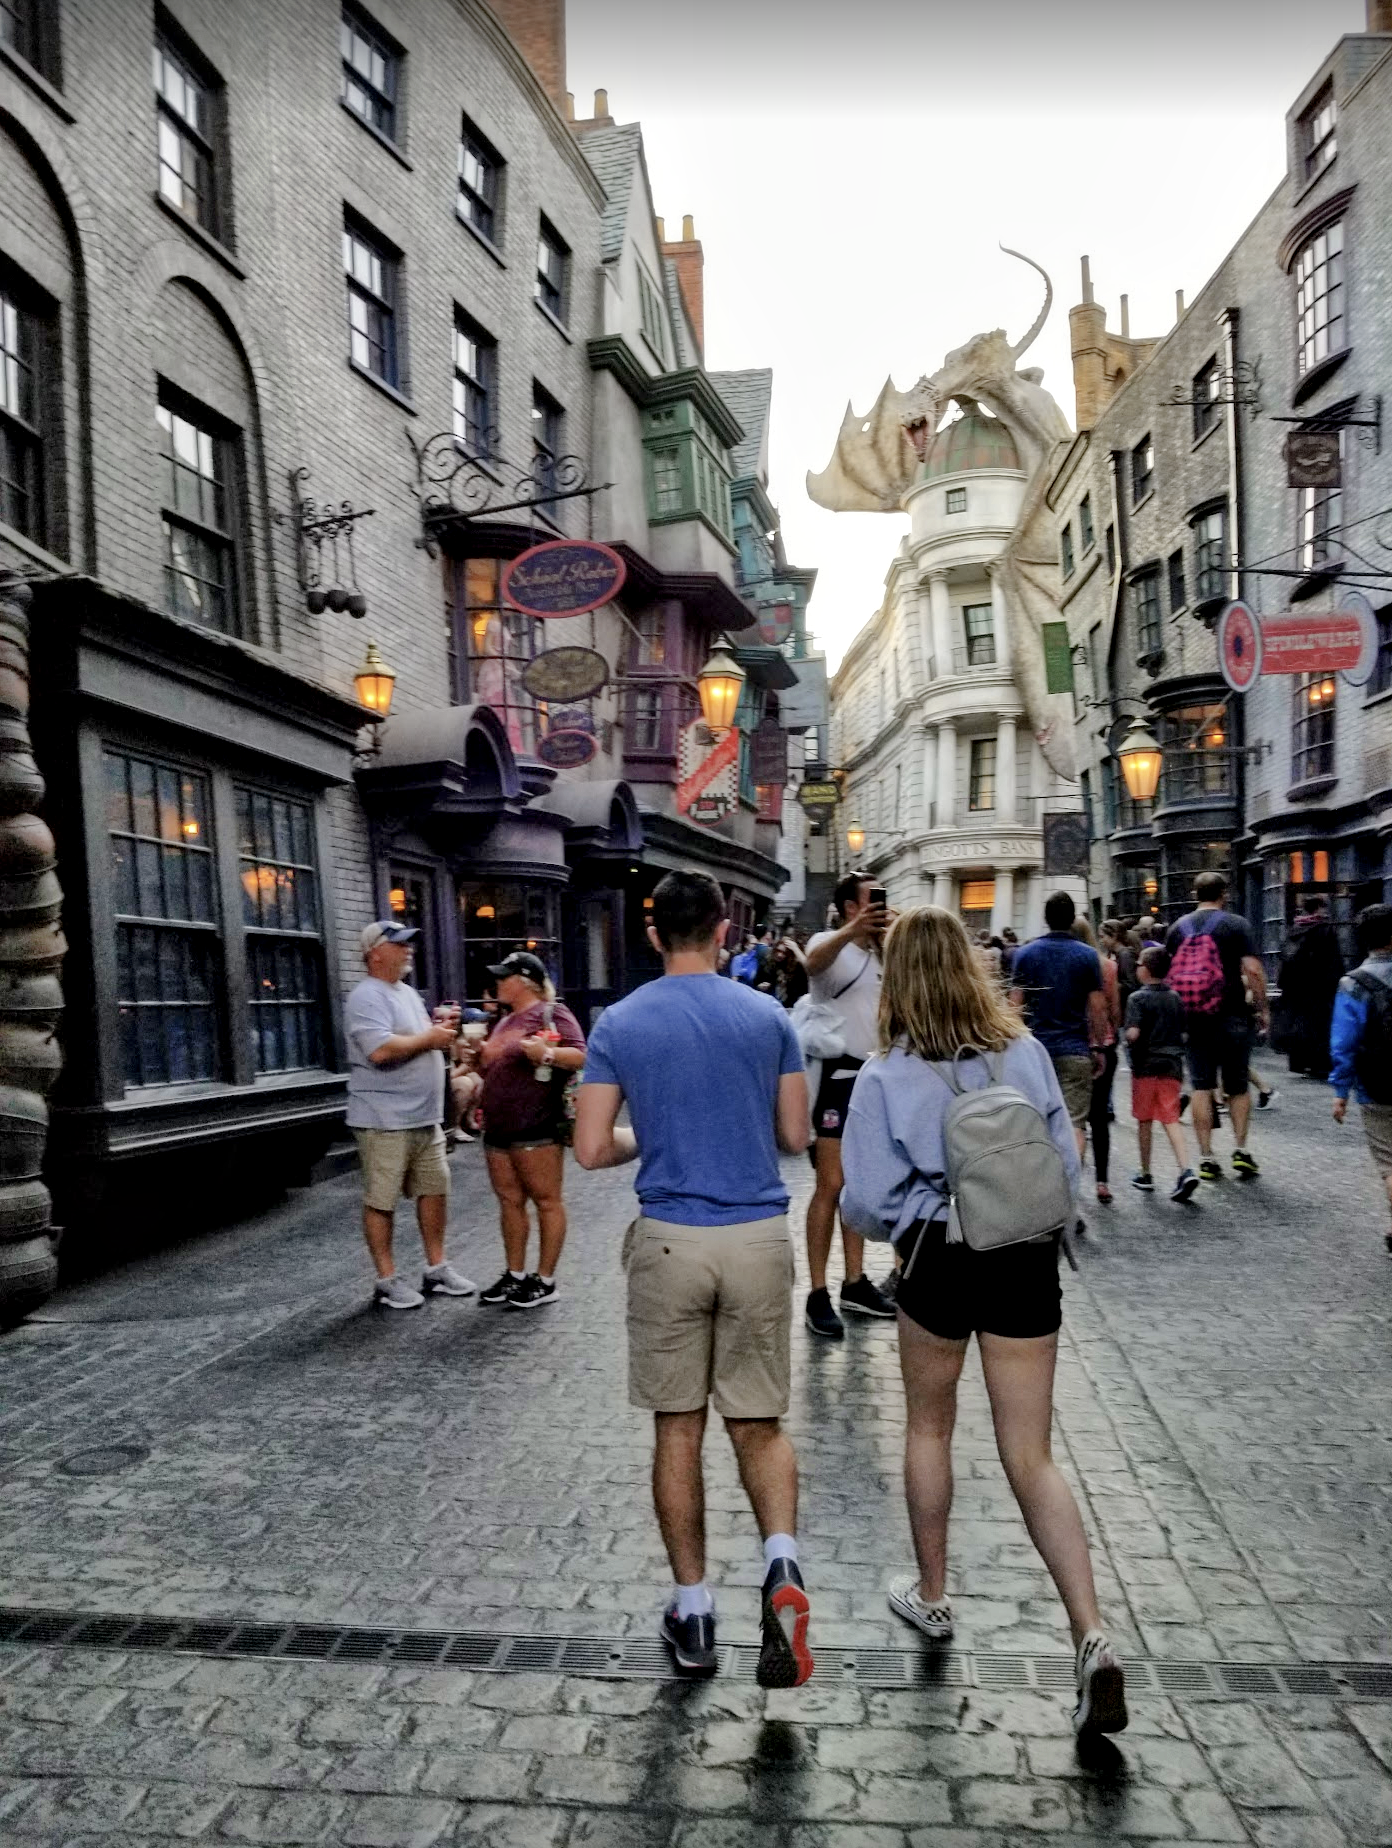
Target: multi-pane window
[[553, 257], [21, 29], [1312, 726], [1319, 516], [1208, 389], [280, 910], [371, 271], [185, 106], [1097, 662], [479, 172], [1066, 550], [1210, 561], [645, 719], [1319, 140], [1149, 633], [981, 784], [665, 469], [650, 313], [198, 519], [548, 424], [21, 444], [167, 937], [1111, 551], [1319, 299], [500, 642], [371, 66], [1142, 469], [1174, 566], [1087, 534], [1196, 760], [978, 619], [649, 646], [475, 387], [956, 500], [1381, 681]]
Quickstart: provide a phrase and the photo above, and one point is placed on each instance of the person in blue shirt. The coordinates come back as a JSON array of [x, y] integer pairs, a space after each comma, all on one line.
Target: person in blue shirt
[[1058, 982], [712, 1076], [1359, 1064]]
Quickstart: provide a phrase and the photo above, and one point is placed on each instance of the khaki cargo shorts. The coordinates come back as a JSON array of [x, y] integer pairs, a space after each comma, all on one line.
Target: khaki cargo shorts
[[1074, 1073], [1377, 1126], [401, 1161], [709, 1316]]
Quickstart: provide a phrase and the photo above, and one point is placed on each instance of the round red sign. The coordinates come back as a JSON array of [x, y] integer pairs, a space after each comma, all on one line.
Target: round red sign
[[564, 577], [1239, 646]]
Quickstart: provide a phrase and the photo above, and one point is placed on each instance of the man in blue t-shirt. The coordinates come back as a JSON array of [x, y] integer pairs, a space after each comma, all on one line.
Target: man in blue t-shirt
[[712, 1077], [1057, 980]]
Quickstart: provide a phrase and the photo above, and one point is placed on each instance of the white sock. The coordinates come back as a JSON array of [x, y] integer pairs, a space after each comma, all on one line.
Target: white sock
[[695, 1600], [517, 1276], [779, 1546], [545, 1278]]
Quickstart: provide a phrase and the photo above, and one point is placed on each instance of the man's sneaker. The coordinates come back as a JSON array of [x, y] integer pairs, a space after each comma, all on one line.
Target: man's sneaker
[[445, 1280], [691, 1641], [532, 1293], [499, 1293], [1143, 1182], [889, 1289], [392, 1293], [1101, 1704], [784, 1658], [863, 1298], [822, 1319], [1210, 1170], [1243, 1163], [1186, 1186], [1265, 1099], [933, 1619]]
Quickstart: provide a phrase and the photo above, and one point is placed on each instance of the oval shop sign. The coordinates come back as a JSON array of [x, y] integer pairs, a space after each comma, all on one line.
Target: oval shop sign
[[564, 577]]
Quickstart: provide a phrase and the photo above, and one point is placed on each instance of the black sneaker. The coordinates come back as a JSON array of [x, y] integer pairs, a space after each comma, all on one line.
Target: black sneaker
[[863, 1298], [1210, 1170], [889, 1289], [1186, 1186], [500, 1293], [532, 1293], [822, 1319], [691, 1641], [784, 1658], [1245, 1164], [1144, 1183]]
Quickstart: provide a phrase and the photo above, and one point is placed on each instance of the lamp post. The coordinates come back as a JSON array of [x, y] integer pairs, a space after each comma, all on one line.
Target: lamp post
[[719, 684], [374, 683], [1140, 762]]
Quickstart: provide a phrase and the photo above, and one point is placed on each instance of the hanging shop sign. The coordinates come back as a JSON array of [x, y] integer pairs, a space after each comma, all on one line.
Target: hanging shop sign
[[816, 797], [1065, 846], [768, 752], [1321, 642], [1314, 459], [1362, 670], [1058, 657], [770, 806], [775, 624], [708, 790], [564, 577], [569, 742], [1239, 639], [566, 673]]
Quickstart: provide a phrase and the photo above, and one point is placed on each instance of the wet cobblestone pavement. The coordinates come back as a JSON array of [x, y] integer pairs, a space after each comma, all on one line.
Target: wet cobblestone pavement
[[1224, 1410]]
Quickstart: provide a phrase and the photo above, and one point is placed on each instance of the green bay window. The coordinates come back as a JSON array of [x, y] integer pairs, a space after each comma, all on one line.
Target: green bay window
[[687, 467]]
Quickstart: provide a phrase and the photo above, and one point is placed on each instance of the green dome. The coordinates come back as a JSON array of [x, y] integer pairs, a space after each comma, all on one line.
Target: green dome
[[973, 441]]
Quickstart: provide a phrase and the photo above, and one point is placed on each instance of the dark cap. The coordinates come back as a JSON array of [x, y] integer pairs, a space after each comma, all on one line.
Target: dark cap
[[523, 963]]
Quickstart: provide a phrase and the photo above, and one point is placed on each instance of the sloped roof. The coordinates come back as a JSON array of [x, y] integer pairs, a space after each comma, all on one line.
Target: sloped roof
[[749, 395], [686, 352], [613, 153]]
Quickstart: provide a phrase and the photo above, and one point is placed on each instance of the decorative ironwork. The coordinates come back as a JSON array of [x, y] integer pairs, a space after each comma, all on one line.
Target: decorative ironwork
[[453, 484], [318, 525], [1340, 417], [1240, 386]]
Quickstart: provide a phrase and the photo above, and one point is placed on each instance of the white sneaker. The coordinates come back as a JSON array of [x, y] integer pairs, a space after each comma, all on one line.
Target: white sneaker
[[392, 1293], [1101, 1704], [934, 1619], [445, 1280]]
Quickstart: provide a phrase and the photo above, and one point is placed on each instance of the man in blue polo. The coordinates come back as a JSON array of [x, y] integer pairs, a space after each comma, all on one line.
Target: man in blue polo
[[1057, 981]]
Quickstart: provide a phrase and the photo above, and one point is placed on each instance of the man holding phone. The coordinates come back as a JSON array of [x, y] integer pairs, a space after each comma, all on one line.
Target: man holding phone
[[843, 966]]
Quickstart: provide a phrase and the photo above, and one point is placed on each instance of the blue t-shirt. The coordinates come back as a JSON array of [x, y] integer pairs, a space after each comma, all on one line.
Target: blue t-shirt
[[699, 1060], [1058, 973]]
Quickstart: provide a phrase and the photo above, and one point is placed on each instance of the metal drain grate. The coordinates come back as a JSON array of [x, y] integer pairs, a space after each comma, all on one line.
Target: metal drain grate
[[624, 1657]]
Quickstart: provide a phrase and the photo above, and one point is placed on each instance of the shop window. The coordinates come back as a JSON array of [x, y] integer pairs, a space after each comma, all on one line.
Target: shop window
[[1196, 759], [371, 72], [188, 102], [480, 183], [976, 899], [198, 516], [497, 644], [1181, 866], [981, 784], [1136, 891], [1312, 726], [410, 897], [645, 717], [979, 625], [1319, 300], [498, 917], [284, 947], [22, 344]]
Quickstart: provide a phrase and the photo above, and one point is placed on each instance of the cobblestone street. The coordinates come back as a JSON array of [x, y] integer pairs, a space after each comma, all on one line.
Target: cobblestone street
[[1224, 1409]]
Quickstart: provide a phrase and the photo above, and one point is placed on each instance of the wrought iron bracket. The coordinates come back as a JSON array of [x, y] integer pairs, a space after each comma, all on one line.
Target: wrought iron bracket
[[452, 484], [1369, 428], [1241, 386], [318, 525]]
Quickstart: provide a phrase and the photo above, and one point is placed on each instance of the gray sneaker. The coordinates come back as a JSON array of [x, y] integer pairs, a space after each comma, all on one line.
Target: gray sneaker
[[445, 1280], [392, 1293]]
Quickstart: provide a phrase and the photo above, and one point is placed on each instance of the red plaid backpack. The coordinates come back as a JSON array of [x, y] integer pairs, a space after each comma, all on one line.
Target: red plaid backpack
[[1196, 974]]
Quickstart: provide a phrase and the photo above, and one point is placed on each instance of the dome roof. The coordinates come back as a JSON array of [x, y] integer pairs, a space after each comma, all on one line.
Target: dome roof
[[974, 441]]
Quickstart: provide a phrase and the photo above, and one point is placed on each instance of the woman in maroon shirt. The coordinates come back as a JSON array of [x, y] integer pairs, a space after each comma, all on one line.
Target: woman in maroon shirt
[[526, 1061]]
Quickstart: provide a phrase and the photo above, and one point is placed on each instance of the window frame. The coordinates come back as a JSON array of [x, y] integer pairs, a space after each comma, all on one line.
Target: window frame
[[33, 36], [204, 137], [1319, 146], [355, 20], [977, 638], [224, 444], [550, 242], [469, 200], [385, 302], [1313, 726], [1320, 255], [1318, 516], [274, 936], [954, 500], [1206, 393], [1142, 469], [1210, 554], [651, 313], [981, 776], [1150, 620], [1176, 581], [1087, 530], [1380, 680], [1067, 562], [479, 389], [548, 443], [25, 336], [1194, 768]]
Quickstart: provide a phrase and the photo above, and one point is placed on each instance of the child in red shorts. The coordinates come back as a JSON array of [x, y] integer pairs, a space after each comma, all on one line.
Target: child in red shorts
[[1155, 1042]]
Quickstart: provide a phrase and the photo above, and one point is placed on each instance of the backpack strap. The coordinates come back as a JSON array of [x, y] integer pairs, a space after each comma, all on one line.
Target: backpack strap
[[869, 956]]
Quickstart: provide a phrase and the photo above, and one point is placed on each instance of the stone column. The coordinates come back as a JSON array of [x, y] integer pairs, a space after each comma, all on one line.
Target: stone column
[[1003, 902], [1005, 768], [1034, 905], [947, 774], [941, 607], [930, 774], [1000, 618], [943, 894]]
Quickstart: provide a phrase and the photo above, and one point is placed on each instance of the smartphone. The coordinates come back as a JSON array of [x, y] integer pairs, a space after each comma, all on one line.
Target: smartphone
[[877, 896]]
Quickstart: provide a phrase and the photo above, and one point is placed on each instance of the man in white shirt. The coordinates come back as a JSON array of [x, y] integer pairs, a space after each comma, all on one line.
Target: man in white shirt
[[396, 1082], [844, 970]]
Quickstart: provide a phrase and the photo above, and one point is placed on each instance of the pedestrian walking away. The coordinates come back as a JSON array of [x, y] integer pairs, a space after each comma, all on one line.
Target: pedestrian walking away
[[1155, 1045], [526, 1062], [713, 1080], [1312, 966], [1214, 967], [1361, 1040], [396, 1086], [1100, 1111], [946, 1035], [843, 967]]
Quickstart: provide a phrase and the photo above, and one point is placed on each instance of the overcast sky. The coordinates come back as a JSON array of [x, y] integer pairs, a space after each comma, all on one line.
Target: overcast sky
[[852, 169]]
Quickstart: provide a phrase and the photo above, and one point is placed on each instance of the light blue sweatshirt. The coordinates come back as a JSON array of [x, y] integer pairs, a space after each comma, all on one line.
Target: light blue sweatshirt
[[893, 1140]]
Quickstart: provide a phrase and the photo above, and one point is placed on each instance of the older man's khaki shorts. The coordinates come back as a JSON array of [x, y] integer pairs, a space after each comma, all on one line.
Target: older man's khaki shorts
[[1377, 1126], [1074, 1074], [401, 1161], [709, 1316]]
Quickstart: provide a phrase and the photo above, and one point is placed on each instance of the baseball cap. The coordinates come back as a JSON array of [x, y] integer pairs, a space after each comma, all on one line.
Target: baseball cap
[[521, 962], [384, 931]]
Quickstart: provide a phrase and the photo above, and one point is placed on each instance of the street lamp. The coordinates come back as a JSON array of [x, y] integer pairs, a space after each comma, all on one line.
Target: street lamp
[[719, 684], [855, 837], [374, 682], [1140, 762]]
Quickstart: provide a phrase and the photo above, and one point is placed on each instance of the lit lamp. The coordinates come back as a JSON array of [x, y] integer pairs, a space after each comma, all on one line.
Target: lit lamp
[[374, 682], [855, 837], [1140, 762], [719, 683]]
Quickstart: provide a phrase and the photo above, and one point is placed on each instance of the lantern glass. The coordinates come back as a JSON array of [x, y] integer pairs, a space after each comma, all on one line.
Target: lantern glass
[[1140, 762], [374, 683], [855, 837], [720, 683]]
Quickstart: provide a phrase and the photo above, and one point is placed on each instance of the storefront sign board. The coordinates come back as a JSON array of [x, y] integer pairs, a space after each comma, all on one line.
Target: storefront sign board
[[709, 772], [566, 673], [564, 577], [1320, 642], [1239, 646]]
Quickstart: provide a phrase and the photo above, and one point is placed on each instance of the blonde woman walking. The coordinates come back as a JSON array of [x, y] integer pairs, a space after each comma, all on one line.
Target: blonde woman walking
[[937, 1004]]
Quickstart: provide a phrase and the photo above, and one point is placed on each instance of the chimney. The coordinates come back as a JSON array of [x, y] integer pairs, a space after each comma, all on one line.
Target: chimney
[[1087, 281], [1126, 317], [691, 262], [537, 29], [601, 104], [1179, 304], [661, 230], [1380, 15]]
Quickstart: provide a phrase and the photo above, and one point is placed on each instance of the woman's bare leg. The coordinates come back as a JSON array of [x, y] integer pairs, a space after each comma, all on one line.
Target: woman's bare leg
[[512, 1206], [931, 1368], [541, 1172]]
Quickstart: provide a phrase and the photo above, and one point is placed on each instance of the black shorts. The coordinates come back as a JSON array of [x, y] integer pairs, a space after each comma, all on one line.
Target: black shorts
[[954, 1292], [834, 1097], [1219, 1045]]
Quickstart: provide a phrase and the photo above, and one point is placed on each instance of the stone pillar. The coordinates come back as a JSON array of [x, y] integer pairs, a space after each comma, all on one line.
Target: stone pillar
[[31, 994], [1033, 922], [941, 607], [1005, 768], [930, 774], [1000, 618], [943, 894], [947, 774], [1003, 903]]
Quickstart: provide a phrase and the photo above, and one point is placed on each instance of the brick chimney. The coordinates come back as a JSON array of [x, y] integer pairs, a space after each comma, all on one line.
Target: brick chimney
[[1380, 15], [691, 263], [538, 29]]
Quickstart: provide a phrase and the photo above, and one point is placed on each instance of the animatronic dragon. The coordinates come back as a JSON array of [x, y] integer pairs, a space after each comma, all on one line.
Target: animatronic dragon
[[877, 459]]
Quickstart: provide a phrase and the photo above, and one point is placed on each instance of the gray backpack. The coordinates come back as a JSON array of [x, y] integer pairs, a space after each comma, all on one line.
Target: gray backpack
[[1006, 1182]]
